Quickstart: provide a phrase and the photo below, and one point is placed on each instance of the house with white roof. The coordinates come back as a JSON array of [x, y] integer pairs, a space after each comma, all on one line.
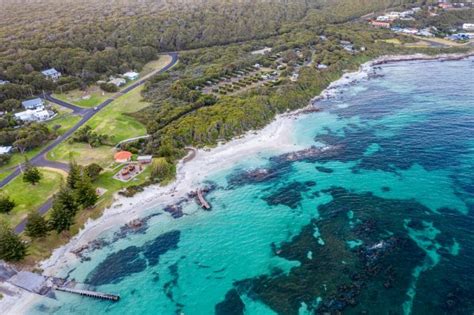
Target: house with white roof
[[36, 103], [5, 149], [131, 75], [468, 26], [118, 82], [3, 82], [51, 74], [31, 115]]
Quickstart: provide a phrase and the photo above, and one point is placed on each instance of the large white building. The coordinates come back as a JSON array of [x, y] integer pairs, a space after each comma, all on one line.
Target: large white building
[[468, 26], [118, 82], [131, 75], [51, 74], [5, 149], [30, 115]]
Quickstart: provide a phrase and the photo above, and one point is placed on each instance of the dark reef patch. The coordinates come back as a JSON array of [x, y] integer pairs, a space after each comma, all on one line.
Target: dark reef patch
[[259, 175], [370, 278], [128, 261], [163, 243], [323, 169], [232, 304], [310, 183], [117, 266], [289, 195], [385, 189]]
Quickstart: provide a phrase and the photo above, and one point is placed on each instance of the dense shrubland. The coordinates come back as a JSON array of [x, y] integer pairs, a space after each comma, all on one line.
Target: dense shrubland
[[90, 40], [179, 117]]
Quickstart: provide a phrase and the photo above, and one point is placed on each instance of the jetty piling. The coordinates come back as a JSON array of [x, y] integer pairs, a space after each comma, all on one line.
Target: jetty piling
[[93, 294], [203, 201]]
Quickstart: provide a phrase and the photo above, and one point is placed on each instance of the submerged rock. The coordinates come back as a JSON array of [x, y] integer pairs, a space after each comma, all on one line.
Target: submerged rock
[[176, 211], [128, 261], [289, 195], [323, 169], [232, 304], [162, 244], [117, 266], [312, 154]]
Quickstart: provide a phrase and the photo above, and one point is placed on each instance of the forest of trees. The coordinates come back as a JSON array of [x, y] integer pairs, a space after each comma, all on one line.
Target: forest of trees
[[444, 23], [89, 40]]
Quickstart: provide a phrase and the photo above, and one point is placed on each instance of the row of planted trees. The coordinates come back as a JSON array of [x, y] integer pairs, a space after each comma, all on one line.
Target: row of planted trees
[[75, 194]]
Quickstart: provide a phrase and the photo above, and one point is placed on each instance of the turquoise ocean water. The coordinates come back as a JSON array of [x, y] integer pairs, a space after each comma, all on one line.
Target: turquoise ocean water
[[382, 224]]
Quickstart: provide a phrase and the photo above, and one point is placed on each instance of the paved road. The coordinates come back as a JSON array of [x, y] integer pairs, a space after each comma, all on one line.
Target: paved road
[[42, 210], [87, 113], [76, 109], [131, 140]]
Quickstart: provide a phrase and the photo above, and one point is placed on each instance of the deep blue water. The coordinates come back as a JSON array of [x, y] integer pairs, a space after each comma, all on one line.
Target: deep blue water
[[380, 224]]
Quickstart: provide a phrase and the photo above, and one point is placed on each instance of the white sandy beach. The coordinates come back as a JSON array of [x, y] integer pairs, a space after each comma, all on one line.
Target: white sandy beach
[[275, 138]]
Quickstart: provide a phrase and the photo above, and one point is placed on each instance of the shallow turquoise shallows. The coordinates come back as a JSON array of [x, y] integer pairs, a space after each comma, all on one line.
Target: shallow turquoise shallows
[[383, 223]]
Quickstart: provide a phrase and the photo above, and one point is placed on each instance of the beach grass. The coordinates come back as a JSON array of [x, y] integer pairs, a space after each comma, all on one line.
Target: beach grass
[[29, 197]]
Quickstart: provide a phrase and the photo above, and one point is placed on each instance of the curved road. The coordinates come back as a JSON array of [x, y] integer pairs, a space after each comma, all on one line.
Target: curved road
[[40, 158]]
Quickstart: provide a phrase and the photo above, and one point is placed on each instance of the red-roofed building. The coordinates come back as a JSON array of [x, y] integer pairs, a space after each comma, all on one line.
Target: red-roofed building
[[122, 157], [380, 24], [445, 5]]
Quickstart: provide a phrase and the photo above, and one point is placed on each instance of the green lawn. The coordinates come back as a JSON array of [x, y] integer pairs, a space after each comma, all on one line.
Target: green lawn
[[107, 181], [114, 121], [65, 120], [93, 96], [16, 159], [82, 153], [29, 197], [40, 249]]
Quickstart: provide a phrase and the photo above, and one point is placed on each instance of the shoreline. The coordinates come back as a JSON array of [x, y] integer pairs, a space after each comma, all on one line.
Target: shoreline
[[272, 138]]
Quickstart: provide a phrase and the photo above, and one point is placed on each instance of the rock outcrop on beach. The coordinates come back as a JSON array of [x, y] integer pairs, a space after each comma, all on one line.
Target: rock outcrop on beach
[[311, 153]]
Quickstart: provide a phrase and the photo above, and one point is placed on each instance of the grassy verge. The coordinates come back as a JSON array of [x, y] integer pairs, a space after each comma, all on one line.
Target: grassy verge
[[113, 121], [82, 153], [64, 121], [155, 65], [91, 97], [17, 158], [40, 249], [29, 197]]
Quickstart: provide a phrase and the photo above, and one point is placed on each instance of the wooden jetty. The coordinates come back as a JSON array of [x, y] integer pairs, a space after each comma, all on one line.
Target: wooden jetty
[[203, 201], [93, 294]]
